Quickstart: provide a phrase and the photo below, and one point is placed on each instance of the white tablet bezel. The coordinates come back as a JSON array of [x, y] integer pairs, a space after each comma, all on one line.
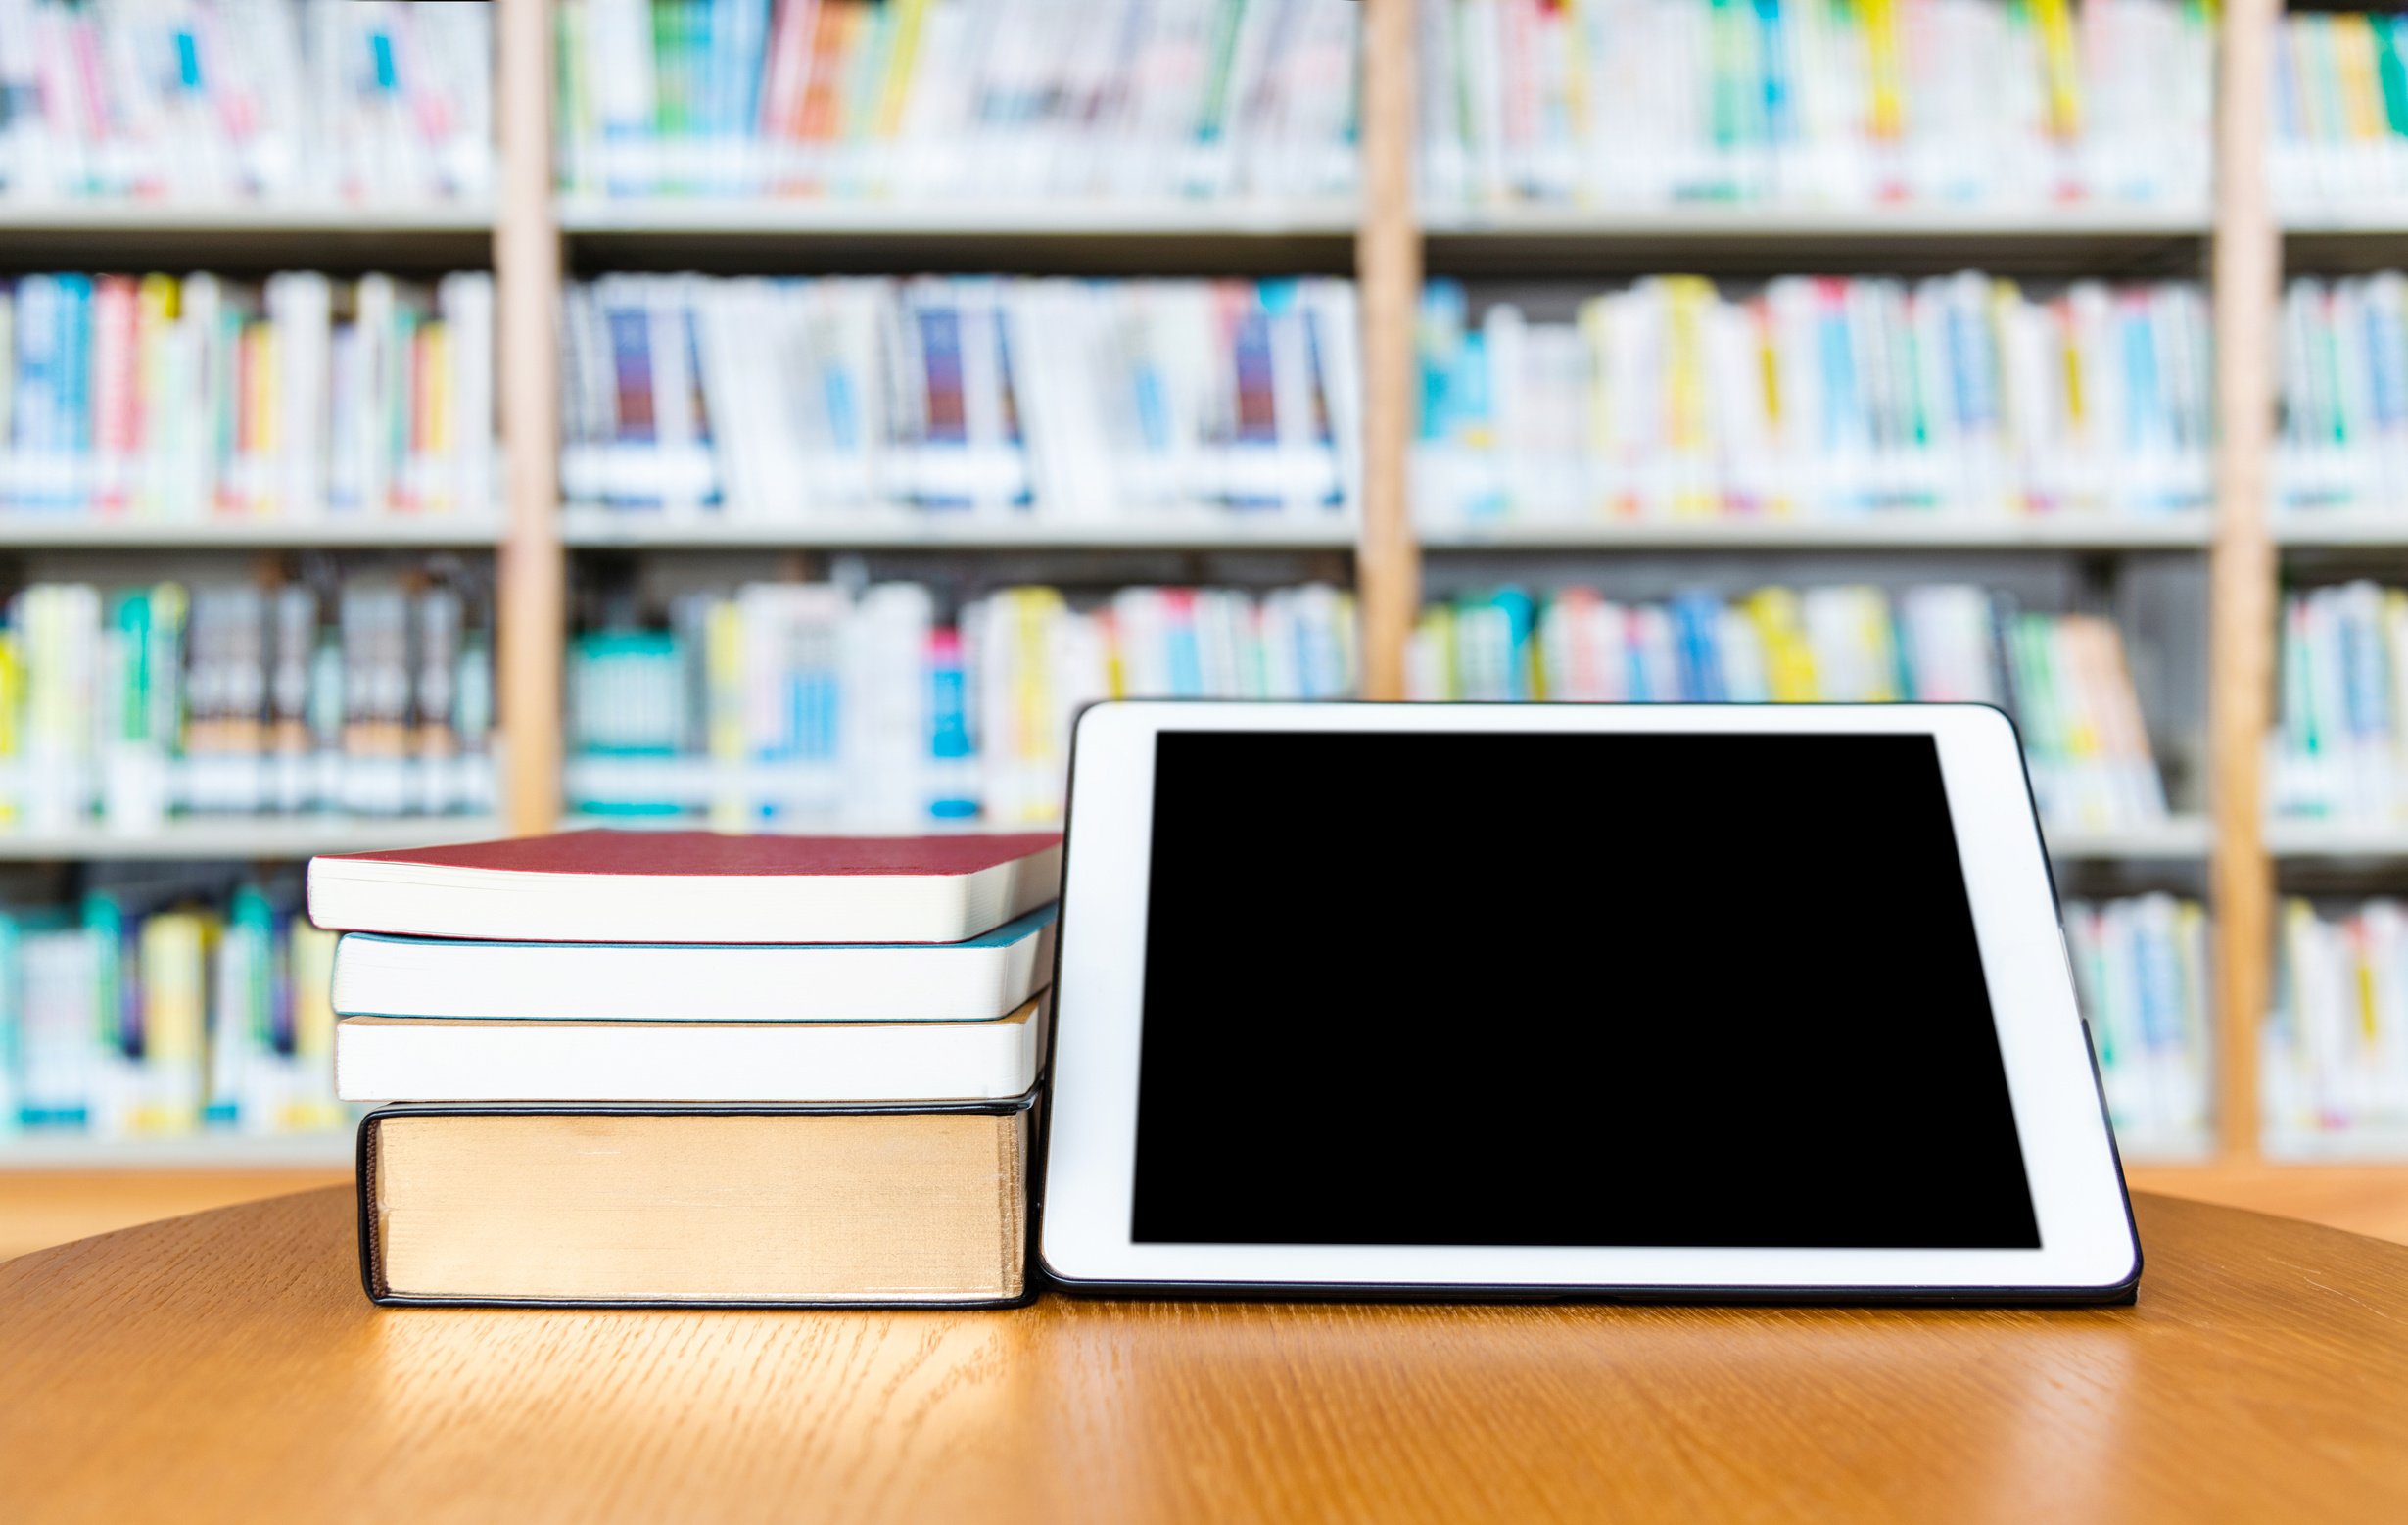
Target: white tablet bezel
[[2087, 1239]]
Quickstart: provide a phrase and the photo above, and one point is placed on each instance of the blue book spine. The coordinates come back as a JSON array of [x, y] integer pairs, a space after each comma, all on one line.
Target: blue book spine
[[1697, 619], [1440, 345]]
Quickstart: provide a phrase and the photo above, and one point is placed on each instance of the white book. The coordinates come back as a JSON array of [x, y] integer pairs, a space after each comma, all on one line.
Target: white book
[[380, 1058], [977, 981]]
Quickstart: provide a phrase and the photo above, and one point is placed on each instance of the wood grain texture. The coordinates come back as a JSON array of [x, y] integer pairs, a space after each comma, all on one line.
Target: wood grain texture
[[2364, 1199], [2245, 267], [531, 578], [1388, 274], [227, 1367], [42, 1208]]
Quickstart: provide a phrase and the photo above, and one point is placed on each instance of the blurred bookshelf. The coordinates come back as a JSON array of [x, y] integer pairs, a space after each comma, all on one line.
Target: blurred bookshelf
[[1365, 193]]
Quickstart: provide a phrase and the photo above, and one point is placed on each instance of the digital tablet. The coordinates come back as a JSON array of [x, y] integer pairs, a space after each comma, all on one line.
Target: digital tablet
[[1682, 1001]]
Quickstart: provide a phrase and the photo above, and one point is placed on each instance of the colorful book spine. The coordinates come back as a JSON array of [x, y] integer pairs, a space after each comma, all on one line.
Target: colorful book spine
[[2141, 967], [215, 100], [1811, 398], [124, 710], [167, 1013], [2334, 1061], [805, 703], [181, 401]]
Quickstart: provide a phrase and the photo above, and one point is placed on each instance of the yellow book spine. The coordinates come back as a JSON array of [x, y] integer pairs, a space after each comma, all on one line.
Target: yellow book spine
[[2353, 51], [1688, 301], [313, 956], [1885, 68], [2060, 66], [1789, 661], [11, 697], [722, 667], [902, 57]]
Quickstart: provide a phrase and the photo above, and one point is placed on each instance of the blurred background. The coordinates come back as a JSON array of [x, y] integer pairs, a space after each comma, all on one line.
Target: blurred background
[[427, 421]]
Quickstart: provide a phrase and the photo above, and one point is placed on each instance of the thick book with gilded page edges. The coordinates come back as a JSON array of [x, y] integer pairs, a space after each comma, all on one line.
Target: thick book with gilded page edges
[[390, 1059], [733, 1206], [693, 887]]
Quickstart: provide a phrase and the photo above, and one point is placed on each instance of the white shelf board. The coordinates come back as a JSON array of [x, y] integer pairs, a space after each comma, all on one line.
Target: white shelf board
[[246, 838], [595, 529], [2341, 527], [1774, 219], [2175, 837], [1020, 217], [2315, 839], [84, 531], [2377, 216], [1908, 531], [113, 214], [62, 1150]]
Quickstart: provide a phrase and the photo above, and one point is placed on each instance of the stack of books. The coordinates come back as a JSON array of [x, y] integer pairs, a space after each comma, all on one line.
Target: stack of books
[[2342, 722], [2344, 395], [2339, 146], [679, 1067]]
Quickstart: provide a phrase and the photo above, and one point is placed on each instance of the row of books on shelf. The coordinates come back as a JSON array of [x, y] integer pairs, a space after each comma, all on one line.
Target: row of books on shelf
[[372, 697], [2141, 968], [812, 702], [934, 99], [166, 1010], [2063, 676], [2339, 747], [1846, 103], [213, 101], [1815, 396], [2340, 113], [175, 1007], [168, 399], [2334, 1060], [1077, 401]]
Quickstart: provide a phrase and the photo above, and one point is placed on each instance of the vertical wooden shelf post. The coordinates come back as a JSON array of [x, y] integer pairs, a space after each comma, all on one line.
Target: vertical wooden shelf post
[[531, 585], [2245, 266], [1387, 277]]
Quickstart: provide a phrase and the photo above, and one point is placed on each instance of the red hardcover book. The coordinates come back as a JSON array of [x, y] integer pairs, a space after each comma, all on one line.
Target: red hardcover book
[[693, 888]]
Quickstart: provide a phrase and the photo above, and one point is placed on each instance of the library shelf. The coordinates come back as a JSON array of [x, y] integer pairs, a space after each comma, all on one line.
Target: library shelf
[[1067, 236], [206, 1150], [367, 532], [1771, 238], [2175, 838], [592, 529], [2340, 528], [250, 234], [2297, 838], [244, 838], [1889, 531]]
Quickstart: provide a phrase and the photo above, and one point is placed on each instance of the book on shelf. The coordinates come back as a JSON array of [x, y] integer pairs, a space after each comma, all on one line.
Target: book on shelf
[[667, 1205], [1851, 104], [276, 102], [372, 695], [933, 102], [605, 886], [862, 400], [1812, 398], [158, 398], [166, 1009], [2341, 715], [2343, 380], [2141, 967], [2340, 108], [807, 702], [2062, 677], [2334, 1061]]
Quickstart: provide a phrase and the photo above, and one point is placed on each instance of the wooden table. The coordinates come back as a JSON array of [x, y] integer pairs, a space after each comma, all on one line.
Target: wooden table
[[227, 1367]]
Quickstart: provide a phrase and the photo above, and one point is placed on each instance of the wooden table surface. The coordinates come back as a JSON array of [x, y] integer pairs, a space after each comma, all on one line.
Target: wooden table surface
[[225, 1366]]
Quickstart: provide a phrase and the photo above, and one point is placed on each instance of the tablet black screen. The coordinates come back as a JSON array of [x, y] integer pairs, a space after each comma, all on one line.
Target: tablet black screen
[[1701, 990]]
